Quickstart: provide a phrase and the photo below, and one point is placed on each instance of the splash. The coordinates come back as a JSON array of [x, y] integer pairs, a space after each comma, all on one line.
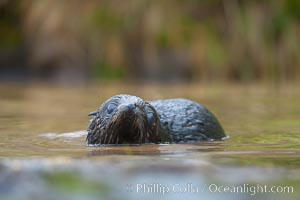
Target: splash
[[75, 134]]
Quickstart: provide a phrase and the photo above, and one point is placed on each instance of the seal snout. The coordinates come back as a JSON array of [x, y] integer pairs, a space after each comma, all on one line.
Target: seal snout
[[131, 106], [127, 107], [126, 123]]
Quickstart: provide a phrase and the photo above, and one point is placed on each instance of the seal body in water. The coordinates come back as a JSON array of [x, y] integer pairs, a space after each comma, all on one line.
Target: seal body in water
[[126, 119]]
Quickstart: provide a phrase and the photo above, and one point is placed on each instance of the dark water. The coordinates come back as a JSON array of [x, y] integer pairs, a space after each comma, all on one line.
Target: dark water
[[44, 156]]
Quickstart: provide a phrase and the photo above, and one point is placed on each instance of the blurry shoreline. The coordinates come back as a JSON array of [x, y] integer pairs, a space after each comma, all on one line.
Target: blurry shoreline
[[142, 40]]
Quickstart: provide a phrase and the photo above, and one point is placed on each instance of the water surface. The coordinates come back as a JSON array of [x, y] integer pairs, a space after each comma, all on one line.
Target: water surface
[[42, 138]]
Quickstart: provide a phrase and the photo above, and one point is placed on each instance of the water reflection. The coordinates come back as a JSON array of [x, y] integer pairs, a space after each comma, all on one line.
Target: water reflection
[[145, 178]]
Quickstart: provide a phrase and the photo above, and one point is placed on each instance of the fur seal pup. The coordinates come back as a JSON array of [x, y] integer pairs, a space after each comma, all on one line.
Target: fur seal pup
[[126, 119]]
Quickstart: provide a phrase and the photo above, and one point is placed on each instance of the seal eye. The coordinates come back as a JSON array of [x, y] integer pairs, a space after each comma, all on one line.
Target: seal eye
[[150, 117], [111, 107]]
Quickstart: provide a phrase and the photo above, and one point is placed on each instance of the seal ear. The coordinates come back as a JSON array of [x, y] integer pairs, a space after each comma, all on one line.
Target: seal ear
[[94, 113]]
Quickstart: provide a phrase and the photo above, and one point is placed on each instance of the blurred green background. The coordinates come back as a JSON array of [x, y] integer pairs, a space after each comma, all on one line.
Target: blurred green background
[[149, 40]]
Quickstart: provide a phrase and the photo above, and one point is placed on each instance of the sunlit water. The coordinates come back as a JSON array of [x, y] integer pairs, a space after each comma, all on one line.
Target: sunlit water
[[44, 154]]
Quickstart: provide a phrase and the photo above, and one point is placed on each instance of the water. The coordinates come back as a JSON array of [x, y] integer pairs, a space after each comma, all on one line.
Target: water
[[43, 152]]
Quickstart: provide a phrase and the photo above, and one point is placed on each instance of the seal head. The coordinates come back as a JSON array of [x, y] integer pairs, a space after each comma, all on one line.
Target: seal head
[[124, 119]]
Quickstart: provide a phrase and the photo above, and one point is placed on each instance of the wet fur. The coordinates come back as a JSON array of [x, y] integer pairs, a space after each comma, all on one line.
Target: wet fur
[[121, 127], [175, 120]]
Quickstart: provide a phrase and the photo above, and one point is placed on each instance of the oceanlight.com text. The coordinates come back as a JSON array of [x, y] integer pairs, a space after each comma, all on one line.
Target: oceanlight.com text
[[251, 189]]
